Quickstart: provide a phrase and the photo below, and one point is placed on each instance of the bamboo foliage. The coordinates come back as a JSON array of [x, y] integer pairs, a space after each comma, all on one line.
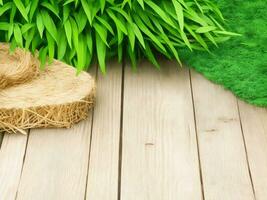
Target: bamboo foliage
[[77, 31]]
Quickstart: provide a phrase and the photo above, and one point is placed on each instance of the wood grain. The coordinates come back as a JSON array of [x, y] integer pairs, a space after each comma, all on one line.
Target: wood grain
[[56, 163], [152, 130], [103, 166], [222, 151], [11, 163], [159, 157], [254, 123]]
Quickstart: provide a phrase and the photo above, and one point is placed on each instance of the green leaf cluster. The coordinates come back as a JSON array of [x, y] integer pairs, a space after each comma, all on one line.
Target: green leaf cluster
[[79, 31]]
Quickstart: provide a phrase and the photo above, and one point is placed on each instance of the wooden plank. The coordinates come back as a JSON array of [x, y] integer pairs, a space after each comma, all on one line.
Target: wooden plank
[[104, 155], [56, 163], [159, 156], [254, 123], [222, 152], [11, 163]]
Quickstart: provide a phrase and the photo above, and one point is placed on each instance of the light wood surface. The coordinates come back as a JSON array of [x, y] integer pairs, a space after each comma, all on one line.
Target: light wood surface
[[222, 153], [56, 164], [254, 124], [104, 155], [159, 157], [154, 134], [11, 163]]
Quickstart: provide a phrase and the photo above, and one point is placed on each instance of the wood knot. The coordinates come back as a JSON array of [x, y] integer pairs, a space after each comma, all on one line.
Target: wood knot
[[211, 130], [226, 120]]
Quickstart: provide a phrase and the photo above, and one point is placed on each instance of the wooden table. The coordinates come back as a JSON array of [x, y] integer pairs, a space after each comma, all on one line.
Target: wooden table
[[153, 135]]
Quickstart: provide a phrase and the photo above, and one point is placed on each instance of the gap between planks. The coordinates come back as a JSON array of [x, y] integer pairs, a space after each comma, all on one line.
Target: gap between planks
[[159, 157], [254, 133], [222, 151], [254, 125], [104, 163]]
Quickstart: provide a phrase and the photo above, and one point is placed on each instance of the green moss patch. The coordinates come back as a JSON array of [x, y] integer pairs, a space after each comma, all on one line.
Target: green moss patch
[[240, 64]]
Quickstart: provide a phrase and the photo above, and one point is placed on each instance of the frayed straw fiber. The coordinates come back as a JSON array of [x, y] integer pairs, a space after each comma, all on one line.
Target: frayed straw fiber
[[17, 67], [56, 98]]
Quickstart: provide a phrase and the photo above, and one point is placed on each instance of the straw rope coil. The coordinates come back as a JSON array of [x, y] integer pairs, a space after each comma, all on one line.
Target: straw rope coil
[[17, 67], [56, 98]]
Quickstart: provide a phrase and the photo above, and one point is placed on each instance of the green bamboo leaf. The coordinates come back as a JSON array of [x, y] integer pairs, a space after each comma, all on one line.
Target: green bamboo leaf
[[118, 23], [81, 54], [160, 13], [227, 33], [87, 10], [26, 27], [21, 9], [68, 2], [68, 31], [206, 29], [102, 32], [5, 7], [131, 35], [51, 46], [81, 20], [217, 11], [141, 2], [13, 13], [4, 26], [36, 41], [139, 35], [66, 13], [101, 52], [209, 36], [120, 52], [13, 45], [77, 31], [179, 13], [29, 37], [33, 8], [185, 39], [49, 25], [122, 12], [42, 56], [51, 7], [156, 23], [120, 36], [132, 56], [151, 56], [148, 33], [10, 31], [75, 34], [28, 7], [129, 2], [102, 5], [183, 3], [145, 19], [106, 24], [40, 24], [62, 45], [192, 15], [18, 35], [198, 6], [172, 48], [198, 38], [89, 42]]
